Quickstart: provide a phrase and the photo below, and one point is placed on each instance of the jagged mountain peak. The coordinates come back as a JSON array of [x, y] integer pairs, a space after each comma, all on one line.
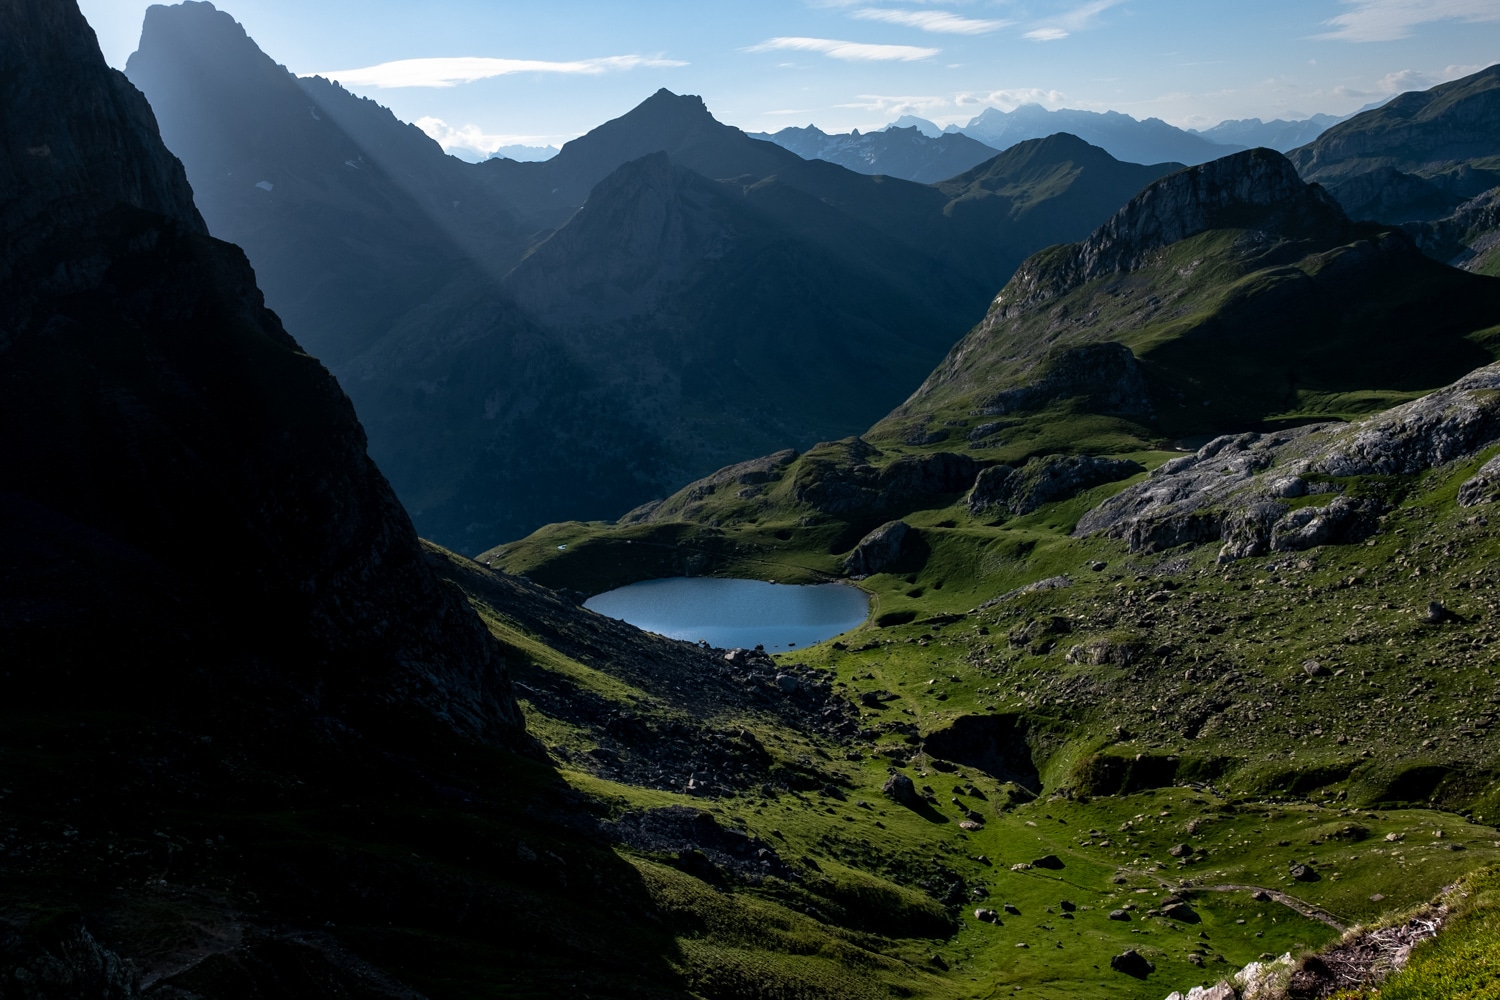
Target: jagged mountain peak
[[55, 129], [1258, 188]]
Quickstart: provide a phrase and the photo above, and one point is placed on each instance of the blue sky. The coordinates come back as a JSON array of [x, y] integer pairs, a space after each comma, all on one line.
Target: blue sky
[[484, 72]]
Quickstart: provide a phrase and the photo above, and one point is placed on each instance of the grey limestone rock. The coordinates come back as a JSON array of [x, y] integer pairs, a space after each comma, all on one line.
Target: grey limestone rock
[[1044, 480], [1239, 489], [1484, 487]]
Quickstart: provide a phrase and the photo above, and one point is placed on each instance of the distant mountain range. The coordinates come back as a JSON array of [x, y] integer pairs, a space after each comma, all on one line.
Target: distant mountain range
[[1120, 135], [907, 153], [1279, 134], [917, 149], [528, 342]]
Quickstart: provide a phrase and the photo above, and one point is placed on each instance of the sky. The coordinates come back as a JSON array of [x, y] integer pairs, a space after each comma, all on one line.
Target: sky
[[481, 74]]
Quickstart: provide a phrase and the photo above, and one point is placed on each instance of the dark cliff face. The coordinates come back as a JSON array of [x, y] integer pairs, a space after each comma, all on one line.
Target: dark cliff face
[[190, 514], [73, 150]]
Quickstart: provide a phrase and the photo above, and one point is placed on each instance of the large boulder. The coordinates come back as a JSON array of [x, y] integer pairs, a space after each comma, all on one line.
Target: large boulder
[[879, 550]]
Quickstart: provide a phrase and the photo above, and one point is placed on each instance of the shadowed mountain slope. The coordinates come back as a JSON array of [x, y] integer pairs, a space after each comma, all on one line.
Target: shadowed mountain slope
[[1416, 157], [177, 472], [575, 336]]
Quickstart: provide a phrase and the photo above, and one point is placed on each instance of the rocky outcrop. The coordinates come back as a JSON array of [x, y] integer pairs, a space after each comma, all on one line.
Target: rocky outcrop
[[879, 550], [744, 480], [1012, 491], [1259, 186], [191, 517], [843, 487], [1259, 493], [1484, 487]]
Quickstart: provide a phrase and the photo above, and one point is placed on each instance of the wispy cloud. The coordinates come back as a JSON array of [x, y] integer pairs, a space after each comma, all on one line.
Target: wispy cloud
[[475, 138], [850, 51], [450, 72], [1009, 100], [1077, 19], [937, 21], [885, 105], [1388, 20]]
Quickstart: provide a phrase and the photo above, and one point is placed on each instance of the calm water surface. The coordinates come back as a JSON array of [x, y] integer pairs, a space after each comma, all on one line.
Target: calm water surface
[[731, 613]]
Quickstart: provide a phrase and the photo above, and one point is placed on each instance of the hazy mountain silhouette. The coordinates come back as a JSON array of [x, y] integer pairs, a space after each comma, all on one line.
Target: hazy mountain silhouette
[[1278, 134], [907, 153], [1123, 137]]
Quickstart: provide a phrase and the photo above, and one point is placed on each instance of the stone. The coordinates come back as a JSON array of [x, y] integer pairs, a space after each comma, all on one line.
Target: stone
[[1313, 668], [1484, 487], [879, 550], [1002, 488], [1304, 873], [1051, 862], [1132, 963], [787, 683], [1436, 614], [900, 789], [1118, 915], [1181, 912], [1012, 909], [1180, 850], [1261, 896], [987, 915], [1067, 906], [1219, 991]]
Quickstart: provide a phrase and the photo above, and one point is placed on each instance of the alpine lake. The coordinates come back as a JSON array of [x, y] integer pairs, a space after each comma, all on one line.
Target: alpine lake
[[737, 613]]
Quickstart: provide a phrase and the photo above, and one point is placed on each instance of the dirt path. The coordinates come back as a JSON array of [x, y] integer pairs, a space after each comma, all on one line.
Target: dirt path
[[1303, 907]]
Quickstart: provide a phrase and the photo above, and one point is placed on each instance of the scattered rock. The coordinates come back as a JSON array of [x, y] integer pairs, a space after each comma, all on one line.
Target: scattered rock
[[988, 916], [1118, 915], [1132, 963], [900, 789], [1180, 850], [1304, 873], [1261, 896], [1181, 912], [1436, 614], [1313, 668], [1012, 909]]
